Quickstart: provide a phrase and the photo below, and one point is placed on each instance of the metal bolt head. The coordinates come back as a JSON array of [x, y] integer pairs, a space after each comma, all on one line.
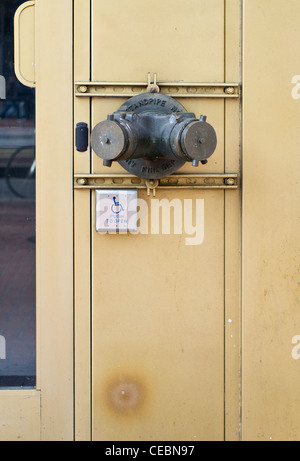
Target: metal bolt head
[[230, 181], [229, 90], [82, 89], [82, 181], [153, 88], [104, 140]]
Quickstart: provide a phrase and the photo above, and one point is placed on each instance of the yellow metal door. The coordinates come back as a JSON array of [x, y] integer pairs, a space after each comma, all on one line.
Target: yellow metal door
[[158, 307], [46, 411], [172, 333], [271, 319]]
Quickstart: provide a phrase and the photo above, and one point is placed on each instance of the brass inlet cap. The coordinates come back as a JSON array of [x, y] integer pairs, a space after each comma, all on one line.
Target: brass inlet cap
[[198, 140], [108, 140]]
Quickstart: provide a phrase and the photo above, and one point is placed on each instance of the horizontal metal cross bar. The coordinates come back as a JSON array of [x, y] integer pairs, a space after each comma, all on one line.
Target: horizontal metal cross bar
[[180, 181], [173, 89]]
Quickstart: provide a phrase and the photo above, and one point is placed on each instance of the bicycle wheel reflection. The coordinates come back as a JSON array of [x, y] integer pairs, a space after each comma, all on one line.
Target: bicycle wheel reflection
[[20, 172]]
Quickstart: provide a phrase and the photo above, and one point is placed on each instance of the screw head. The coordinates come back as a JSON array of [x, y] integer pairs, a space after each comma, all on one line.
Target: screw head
[[230, 181], [229, 90], [82, 89], [82, 181], [104, 140]]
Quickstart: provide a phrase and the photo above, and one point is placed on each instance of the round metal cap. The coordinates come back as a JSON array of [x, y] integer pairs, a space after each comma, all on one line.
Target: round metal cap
[[199, 140], [108, 140]]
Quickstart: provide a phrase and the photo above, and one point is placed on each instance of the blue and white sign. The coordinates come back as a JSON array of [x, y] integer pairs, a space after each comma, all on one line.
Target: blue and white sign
[[116, 211]]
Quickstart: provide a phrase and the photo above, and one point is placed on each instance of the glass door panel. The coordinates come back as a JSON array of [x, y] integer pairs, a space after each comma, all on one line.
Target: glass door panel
[[17, 216]]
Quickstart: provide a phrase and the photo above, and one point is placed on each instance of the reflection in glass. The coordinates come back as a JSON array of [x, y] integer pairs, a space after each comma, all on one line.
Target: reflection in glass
[[17, 217]]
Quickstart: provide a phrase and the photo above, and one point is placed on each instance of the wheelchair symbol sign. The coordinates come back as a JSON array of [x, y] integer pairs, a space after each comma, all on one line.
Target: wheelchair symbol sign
[[116, 208], [116, 211]]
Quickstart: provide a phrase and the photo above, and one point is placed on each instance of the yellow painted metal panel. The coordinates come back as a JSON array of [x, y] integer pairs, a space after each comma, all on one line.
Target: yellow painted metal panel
[[82, 231], [82, 68], [182, 40], [232, 301], [82, 317], [187, 322], [19, 416], [23, 418], [271, 170], [54, 214], [157, 304], [158, 331]]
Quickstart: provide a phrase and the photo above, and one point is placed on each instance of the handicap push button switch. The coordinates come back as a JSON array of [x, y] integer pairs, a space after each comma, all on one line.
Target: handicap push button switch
[[116, 211]]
